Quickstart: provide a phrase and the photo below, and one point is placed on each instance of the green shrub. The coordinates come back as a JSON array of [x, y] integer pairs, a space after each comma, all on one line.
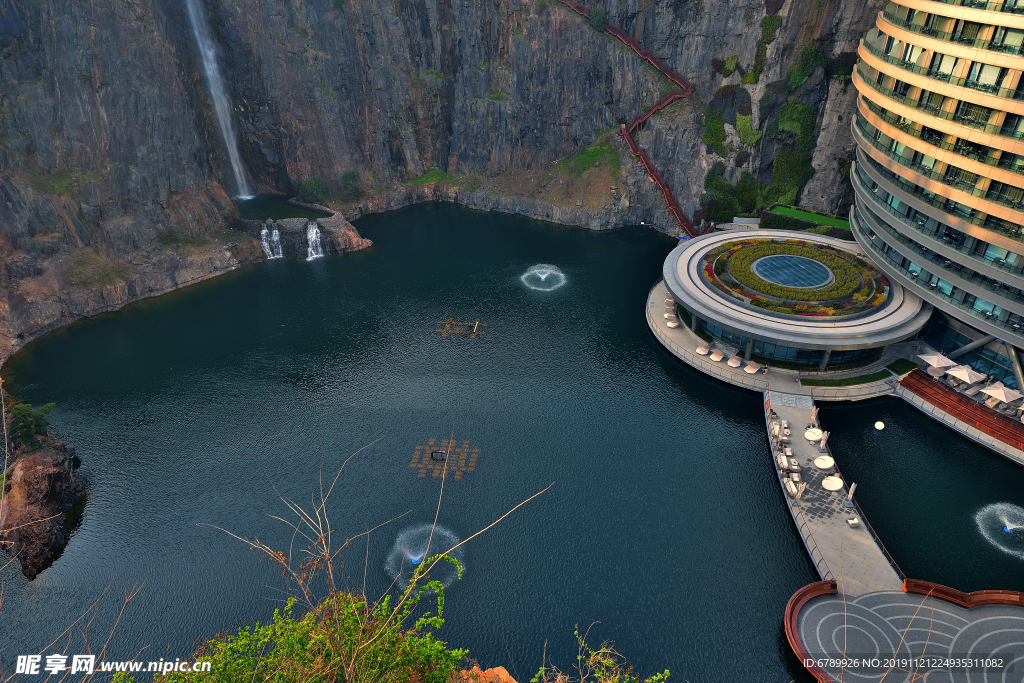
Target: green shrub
[[747, 134], [684, 315], [846, 283], [339, 4], [798, 118], [28, 423], [770, 23], [323, 644], [314, 191], [902, 366], [730, 65], [846, 381], [351, 189], [539, 7], [714, 131], [597, 18]]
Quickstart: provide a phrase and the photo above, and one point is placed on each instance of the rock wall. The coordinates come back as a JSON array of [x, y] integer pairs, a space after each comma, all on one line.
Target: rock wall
[[40, 489], [111, 159]]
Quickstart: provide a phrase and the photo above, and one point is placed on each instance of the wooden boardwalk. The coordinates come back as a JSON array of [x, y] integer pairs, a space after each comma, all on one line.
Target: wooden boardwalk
[[965, 410]]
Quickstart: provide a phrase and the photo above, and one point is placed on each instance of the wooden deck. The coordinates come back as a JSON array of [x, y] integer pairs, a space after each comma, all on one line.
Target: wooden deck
[[964, 409]]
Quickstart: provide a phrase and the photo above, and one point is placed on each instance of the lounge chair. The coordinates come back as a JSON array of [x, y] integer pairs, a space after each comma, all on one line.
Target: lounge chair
[[972, 390], [991, 402]]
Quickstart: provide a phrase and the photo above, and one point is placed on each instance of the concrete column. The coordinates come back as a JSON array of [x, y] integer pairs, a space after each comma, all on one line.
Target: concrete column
[[693, 322], [1015, 362], [750, 349], [824, 359], [970, 347]]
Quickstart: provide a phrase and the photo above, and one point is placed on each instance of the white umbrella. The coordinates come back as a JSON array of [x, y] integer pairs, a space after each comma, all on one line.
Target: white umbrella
[[966, 373], [937, 361], [997, 390]]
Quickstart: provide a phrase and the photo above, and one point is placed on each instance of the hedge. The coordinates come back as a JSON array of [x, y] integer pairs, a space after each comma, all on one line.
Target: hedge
[[846, 283], [847, 381], [775, 221]]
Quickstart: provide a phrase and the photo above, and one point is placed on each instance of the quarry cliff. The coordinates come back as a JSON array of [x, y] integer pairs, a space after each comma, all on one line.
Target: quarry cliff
[[115, 178]]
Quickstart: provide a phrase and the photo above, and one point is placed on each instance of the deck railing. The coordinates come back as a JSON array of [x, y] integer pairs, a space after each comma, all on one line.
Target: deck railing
[[686, 89]]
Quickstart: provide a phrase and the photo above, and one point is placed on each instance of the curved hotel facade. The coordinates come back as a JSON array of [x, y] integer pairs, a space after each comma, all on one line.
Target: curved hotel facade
[[939, 175]]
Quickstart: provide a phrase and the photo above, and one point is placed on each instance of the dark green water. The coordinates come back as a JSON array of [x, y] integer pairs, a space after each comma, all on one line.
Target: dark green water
[[273, 206], [665, 523]]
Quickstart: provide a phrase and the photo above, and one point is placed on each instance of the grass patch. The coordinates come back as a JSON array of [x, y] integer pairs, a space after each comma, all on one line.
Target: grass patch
[[902, 366], [169, 236], [61, 182], [436, 74], [601, 153], [747, 134], [90, 268], [847, 381], [434, 175], [496, 95], [730, 65], [818, 218]]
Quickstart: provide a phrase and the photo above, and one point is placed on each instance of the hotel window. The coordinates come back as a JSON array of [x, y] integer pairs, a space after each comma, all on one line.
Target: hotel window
[[966, 31], [1007, 194]]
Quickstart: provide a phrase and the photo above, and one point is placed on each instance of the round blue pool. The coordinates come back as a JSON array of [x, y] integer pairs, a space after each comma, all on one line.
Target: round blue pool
[[793, 271]]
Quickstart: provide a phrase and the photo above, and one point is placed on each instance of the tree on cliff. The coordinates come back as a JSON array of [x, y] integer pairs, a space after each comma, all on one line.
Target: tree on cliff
[[597, 18], [28, 423], [314, 190]]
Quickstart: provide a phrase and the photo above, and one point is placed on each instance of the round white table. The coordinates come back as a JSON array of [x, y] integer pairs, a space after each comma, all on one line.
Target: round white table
[[936, 372], [831, 483], [824, 462], [812, 434]]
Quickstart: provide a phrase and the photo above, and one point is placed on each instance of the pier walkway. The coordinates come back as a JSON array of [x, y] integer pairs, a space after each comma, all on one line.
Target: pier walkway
[[853, 557]]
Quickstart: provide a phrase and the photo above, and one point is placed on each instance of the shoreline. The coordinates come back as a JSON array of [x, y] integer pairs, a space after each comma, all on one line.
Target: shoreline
[[91, 302]]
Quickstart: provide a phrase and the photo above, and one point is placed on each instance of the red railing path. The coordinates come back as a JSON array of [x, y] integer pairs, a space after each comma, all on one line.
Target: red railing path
[[686, 90]]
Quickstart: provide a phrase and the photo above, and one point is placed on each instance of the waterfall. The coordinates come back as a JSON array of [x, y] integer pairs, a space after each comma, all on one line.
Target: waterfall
[[313, 248], [207, 50], [275, 243], [271, 243], [265, 242]]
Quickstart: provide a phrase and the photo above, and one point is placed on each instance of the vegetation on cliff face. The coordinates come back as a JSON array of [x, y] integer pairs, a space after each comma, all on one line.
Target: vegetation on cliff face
[[28, 424]]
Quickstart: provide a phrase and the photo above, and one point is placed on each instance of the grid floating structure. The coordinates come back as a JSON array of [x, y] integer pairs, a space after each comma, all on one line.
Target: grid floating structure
[[939, 174]]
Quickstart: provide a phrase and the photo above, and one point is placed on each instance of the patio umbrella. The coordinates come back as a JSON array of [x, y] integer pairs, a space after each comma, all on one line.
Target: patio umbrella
[[936, 361], [997, 390], [966, 373]]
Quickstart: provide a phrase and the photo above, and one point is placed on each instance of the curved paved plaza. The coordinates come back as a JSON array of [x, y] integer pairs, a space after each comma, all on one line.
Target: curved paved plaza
[[903, 626]]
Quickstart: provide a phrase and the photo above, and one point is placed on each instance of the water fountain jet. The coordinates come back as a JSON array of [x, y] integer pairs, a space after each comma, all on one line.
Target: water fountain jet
[[536, 277], [416, 544], [997, 523]]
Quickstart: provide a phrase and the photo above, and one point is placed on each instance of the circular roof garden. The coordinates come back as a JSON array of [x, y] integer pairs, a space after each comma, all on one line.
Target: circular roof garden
[[793, 277], [811, 291]]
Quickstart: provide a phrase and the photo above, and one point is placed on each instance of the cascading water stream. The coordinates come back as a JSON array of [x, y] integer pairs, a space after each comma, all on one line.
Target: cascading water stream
[[275, 244], [313, 248], [271, 243], [221, 103]]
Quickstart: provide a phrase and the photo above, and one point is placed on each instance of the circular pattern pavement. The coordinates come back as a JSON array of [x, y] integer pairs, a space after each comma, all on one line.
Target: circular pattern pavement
[[902, 637]]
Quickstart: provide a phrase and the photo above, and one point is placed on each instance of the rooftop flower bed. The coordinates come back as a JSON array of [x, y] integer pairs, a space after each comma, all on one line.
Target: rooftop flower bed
[[857, 287]]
